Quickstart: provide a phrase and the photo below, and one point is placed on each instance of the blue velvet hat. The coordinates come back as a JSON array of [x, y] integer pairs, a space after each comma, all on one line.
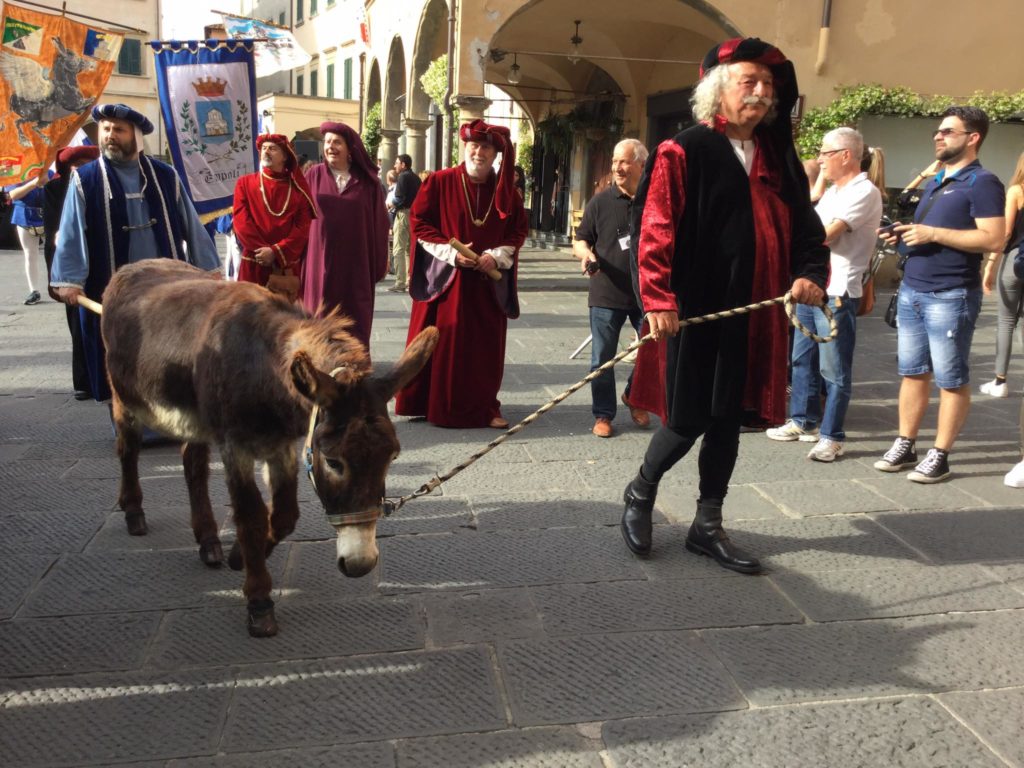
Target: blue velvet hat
[[122, 112]]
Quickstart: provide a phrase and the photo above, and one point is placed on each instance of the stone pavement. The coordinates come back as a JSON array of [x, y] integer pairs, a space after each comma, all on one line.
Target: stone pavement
[[507, 625]]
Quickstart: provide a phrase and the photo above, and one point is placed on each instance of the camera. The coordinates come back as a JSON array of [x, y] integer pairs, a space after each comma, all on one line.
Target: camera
[[592, 267]]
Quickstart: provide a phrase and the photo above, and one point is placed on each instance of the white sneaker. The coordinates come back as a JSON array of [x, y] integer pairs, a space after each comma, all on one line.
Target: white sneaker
[[827, 449], [1015, 477], [995, 389], [791, 431]]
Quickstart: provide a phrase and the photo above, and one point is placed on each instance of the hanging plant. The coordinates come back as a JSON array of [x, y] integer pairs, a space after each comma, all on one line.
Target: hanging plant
[[857, 101], [556, 134]]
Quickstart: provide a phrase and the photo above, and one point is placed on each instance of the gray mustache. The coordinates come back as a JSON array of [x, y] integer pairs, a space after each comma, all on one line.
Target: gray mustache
[[750, 100]]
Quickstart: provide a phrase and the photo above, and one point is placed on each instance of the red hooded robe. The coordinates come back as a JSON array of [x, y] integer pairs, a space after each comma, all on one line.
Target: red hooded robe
[[272, 210], [459, 385]]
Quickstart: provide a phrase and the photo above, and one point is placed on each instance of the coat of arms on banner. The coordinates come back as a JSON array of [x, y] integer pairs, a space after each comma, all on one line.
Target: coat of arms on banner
[[207, 92], [52, 70], [210, 117]]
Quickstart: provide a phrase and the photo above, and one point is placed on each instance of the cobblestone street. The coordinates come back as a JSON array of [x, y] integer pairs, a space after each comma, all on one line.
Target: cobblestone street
[[507, 624]]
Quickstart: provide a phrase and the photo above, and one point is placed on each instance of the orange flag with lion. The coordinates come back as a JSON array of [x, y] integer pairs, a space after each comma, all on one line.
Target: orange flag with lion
[[52, 70]]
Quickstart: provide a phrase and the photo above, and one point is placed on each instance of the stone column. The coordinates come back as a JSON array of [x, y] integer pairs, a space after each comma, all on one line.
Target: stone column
[[470, 107], [416, 141], [388, 149]]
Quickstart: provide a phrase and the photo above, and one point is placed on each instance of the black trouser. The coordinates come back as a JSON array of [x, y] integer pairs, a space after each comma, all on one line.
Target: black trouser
[[716, 461], [79, 373]]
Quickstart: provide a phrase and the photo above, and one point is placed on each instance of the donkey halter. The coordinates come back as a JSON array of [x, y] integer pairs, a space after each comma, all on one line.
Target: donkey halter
[[348, 518]]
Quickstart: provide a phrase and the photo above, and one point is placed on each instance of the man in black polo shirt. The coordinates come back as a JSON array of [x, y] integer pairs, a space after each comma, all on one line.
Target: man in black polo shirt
[[406, 188], [602, 246]]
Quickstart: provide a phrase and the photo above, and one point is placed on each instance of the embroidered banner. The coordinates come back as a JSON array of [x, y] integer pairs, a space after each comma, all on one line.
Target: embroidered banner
[[52, 71], [207, 95], [280, 51]]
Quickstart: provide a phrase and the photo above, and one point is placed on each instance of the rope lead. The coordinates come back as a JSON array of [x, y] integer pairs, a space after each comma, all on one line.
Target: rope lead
[[391, 505]]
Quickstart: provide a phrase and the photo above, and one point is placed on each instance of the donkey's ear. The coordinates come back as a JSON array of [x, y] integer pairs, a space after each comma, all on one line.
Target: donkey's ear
[[410, 363], [311, 383]]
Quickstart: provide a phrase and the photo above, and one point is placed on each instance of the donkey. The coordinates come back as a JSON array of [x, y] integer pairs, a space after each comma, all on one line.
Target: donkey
[[211, 361]]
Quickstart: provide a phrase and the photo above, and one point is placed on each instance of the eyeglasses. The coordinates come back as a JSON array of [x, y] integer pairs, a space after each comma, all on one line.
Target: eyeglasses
[[829, 152], [949, 132]]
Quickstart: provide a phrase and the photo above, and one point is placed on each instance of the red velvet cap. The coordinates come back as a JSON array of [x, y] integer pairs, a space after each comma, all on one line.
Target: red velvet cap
[[72, 155]]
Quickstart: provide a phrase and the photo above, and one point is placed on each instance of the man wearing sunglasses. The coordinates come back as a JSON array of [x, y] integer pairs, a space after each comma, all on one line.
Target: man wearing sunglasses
[[959, 218]]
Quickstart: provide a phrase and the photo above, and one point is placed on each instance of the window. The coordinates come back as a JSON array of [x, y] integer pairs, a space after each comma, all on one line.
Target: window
[[299, 14], [330, 81], [129, 62], [299, 82], [346, 83], [312, 8], [313, 83], [280, 19]]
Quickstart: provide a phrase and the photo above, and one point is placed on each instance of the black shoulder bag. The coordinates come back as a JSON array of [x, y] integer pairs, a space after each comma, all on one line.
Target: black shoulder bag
[[901, 263]]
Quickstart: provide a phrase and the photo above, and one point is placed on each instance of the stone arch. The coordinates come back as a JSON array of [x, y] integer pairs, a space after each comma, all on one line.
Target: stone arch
[[703, 7], [373, 84], [431, 42], [392, 106]]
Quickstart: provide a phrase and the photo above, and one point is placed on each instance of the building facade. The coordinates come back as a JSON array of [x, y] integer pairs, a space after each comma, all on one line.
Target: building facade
[[133, 81], [592, 72]]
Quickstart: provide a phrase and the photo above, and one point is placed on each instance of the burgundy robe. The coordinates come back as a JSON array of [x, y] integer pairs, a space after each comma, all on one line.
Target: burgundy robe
[[256, 227], [459, 385], [348, 247]]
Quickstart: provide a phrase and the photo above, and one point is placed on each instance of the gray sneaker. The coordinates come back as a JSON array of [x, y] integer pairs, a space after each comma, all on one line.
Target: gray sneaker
[[791, 431], [827, 449]]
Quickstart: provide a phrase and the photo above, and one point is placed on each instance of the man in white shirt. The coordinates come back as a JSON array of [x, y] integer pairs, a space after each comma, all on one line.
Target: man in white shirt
[[850, 210]]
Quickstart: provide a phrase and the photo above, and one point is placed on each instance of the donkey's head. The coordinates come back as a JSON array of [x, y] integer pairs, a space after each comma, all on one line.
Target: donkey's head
[[353, 443]]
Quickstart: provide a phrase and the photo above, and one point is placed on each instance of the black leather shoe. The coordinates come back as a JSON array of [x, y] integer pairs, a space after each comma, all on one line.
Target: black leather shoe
[[707, 537], [636, 518]]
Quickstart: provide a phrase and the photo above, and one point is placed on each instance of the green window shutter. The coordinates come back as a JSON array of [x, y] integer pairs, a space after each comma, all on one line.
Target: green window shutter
[[129, 61], [346, 83]]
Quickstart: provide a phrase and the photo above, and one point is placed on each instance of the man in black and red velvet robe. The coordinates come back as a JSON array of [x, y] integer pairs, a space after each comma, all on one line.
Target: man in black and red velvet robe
[[272, 211], [722, 218], [473, 204]]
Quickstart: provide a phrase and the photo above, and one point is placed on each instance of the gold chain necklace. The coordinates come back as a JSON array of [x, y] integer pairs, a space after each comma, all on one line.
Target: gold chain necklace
[[469, 206], [266, 203]]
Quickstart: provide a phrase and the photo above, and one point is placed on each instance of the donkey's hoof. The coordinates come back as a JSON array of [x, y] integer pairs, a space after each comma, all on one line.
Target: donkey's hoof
[[136, 523], [235, 562], [210, 552], [262, 622]]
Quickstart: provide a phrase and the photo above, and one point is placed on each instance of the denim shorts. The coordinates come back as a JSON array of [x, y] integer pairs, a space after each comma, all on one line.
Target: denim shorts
[[935, 329]]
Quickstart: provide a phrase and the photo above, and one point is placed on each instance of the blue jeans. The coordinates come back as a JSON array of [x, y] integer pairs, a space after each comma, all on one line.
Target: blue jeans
[[934, 333], [605, 325], [832, 362]]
